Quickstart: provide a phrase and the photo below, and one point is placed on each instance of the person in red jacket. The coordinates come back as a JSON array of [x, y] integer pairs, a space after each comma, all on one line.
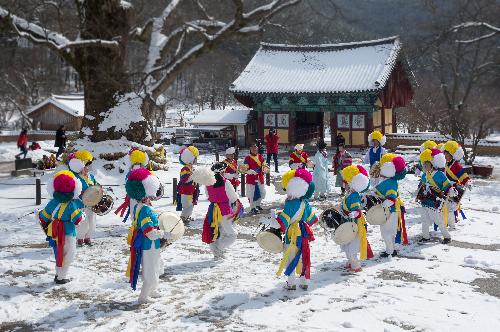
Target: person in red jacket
[[272, 148], [22, 143], [255, 188], [231, 171]]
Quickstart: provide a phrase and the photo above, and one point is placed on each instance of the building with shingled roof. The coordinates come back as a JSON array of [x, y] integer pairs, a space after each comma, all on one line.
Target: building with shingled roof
[[360, 84]]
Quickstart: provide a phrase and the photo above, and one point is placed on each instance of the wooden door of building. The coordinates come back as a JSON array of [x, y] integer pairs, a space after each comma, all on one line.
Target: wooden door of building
[[353, 127]]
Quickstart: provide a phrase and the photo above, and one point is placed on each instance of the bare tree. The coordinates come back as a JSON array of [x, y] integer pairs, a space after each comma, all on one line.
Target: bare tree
[[464, 67], [97, 47]]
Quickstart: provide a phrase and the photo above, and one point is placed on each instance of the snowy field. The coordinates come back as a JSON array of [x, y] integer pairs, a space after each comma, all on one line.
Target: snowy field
[[433, 287]]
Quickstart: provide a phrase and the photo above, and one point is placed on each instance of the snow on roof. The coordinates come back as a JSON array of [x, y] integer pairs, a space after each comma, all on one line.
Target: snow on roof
[[72, 104], [327, 68], [221, 117]]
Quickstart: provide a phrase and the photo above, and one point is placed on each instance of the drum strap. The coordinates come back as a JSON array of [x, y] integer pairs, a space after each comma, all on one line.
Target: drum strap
[[293, 232]]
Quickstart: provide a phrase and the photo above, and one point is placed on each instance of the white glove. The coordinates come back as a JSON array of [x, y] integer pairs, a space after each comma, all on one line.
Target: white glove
[[274, 224], [251, 172], [453, 192], [387, 203], [167, 235], [417, 171], [230, 176], [354, 214], [155, 234]]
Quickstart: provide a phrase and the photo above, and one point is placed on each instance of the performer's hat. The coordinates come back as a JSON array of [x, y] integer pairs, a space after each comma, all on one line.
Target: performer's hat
[[64, 186], [429, 144], [142, 183], [188, 155], [79, 159], [230, 150], [453, 148], [357, 177], [434, 156], [218, 167], [138, 157], [377, 136], [392, 165], [299, 147], [298, 183], [204, 175]]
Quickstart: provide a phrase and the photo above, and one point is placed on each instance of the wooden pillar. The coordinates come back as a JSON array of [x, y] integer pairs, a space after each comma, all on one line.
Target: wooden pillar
[[382, 115], [260, 125], [174, 191], [38, 189], [333, 127], [394, 126], [369, 124], [291, 128], [242, 185]]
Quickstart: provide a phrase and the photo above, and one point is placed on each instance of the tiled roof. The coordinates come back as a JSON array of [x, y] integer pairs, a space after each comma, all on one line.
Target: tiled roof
[[221, 117], [332, 68]]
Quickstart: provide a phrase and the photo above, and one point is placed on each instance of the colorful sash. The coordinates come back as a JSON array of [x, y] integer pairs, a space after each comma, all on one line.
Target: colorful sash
[[135, 240], [230, 165], [211, 223], [299, 156], [56, 233]]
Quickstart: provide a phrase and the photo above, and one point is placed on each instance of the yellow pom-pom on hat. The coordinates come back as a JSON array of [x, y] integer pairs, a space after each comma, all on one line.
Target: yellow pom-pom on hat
[[84, 155], [440, 146], [357, 177], [287, 177], [429, 144], [388, 157], [65, 172], [376, 136], [349, 172], [453, 148], [426, 155], [138, 157], [194, 151]]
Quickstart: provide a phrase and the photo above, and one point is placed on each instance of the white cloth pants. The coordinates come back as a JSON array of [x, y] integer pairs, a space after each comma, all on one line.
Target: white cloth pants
[[69, 256], [351, 250], [187, 205], [250, 189], [227, 235], [152, 268], [429, 217], [452, 207], [86, 228], [389, 231], [292, 278]]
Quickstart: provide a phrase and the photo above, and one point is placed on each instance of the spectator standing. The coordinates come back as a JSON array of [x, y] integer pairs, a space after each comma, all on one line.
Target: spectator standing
[[272, 148], [60, 142], [339, 140], [22, 143]]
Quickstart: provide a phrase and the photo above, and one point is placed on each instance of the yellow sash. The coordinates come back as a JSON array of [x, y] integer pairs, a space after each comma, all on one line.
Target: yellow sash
[[230, 164], [363, 241], [445, 207], [302, 160], [256, 159], [216, 218], [129, 238], [60, 213]]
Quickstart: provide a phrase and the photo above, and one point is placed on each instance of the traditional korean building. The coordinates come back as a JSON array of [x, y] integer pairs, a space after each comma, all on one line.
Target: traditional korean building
[[360, 84]]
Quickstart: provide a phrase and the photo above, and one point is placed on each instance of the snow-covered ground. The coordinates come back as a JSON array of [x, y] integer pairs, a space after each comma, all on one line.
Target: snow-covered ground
[[433, 287]]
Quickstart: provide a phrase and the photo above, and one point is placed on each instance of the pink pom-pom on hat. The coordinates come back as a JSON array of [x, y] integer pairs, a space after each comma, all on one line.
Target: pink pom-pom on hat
[[64, 183], [304, 174], [399, 164], [139, 174]]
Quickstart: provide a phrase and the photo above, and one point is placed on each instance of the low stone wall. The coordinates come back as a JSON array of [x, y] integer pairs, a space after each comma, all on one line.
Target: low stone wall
[[31, 137]]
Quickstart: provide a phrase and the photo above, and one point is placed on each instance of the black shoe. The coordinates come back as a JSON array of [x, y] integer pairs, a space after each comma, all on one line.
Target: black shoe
[[62, 281], [423, 240], [259, 208], [254, 211], [394, 253], [55, 278], [446, 241], [384, 254]]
